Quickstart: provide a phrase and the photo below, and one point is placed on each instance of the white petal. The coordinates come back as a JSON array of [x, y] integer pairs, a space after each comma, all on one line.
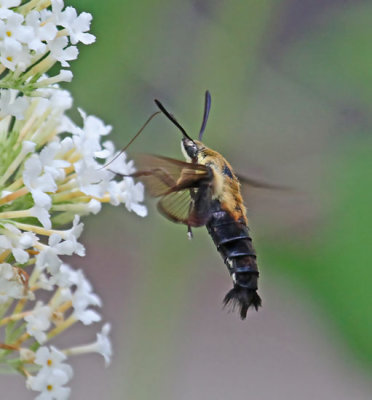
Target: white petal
[[42, 215], [139, 209], [20, 255], [41, 199]]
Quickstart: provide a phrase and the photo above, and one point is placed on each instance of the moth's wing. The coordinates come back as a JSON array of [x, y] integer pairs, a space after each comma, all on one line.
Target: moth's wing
[[176, 206], [256, 183], [179, 184], [191, 207], [163, 175]]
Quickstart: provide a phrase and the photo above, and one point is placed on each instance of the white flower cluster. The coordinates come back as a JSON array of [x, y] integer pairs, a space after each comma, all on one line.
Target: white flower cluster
[[51, 173], [33, 37]]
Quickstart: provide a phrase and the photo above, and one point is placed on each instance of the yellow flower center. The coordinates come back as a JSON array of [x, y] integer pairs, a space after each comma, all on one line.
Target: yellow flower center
[[8, 33], [50, 388], [9, 58], [49, 363]]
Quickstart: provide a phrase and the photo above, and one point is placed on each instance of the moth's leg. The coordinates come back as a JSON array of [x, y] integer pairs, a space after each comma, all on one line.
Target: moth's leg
[[191, 206], [189, 232]]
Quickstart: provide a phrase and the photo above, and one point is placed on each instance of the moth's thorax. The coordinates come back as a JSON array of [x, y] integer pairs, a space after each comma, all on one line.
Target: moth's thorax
[[226, 187]]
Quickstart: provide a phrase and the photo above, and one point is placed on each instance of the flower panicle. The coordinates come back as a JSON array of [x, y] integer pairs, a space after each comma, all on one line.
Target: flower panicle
[[51, 174]]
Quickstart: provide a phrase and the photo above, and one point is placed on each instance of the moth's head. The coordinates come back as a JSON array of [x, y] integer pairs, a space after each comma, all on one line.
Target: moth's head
[[191, 148]]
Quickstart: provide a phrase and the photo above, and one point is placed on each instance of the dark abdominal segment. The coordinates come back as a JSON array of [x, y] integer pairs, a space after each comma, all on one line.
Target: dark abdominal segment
[[235, 246]]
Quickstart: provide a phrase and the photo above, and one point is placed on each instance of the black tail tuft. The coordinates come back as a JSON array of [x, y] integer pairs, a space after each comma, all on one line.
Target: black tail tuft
[[243, 298]]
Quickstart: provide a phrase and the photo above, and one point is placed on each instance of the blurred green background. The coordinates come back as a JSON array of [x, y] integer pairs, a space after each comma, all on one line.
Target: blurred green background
[[291, 85]]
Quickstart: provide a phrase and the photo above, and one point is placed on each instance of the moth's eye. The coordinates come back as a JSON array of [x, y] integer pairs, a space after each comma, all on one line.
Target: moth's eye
[[190, 147], [192, 151]]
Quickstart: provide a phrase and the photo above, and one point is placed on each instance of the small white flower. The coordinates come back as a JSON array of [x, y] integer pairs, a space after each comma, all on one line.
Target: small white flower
[[63, 76], [13, 55], [45, 282], [91, 178], [16, 241], [65, 145], [5, 5], [129, 193], [71, 235], [12, 105], [38, 182], [94, 126], [103, 343], [50, 163], [120, 166], [101, 346], [59, 100], [77, 26], [11, 284], [83, 297], [88, 139], [93, 129], [38, 322], [42, 215], [13, 29], [60, 52], [41, 32], [64, 279], [94, 206], [50, 384], [52, 359], [48, 256], [108, 149]]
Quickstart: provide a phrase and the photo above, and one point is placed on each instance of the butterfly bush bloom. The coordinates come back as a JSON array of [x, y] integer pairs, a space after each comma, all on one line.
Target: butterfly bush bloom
[[51, 174]]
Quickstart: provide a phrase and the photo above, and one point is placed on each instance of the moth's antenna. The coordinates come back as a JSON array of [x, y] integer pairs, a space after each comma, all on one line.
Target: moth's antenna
[[133, 139], [207, 107], [170, 117]]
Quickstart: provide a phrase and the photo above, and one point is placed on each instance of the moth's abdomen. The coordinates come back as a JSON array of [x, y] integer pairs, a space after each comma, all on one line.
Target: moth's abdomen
[[235, 246]]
